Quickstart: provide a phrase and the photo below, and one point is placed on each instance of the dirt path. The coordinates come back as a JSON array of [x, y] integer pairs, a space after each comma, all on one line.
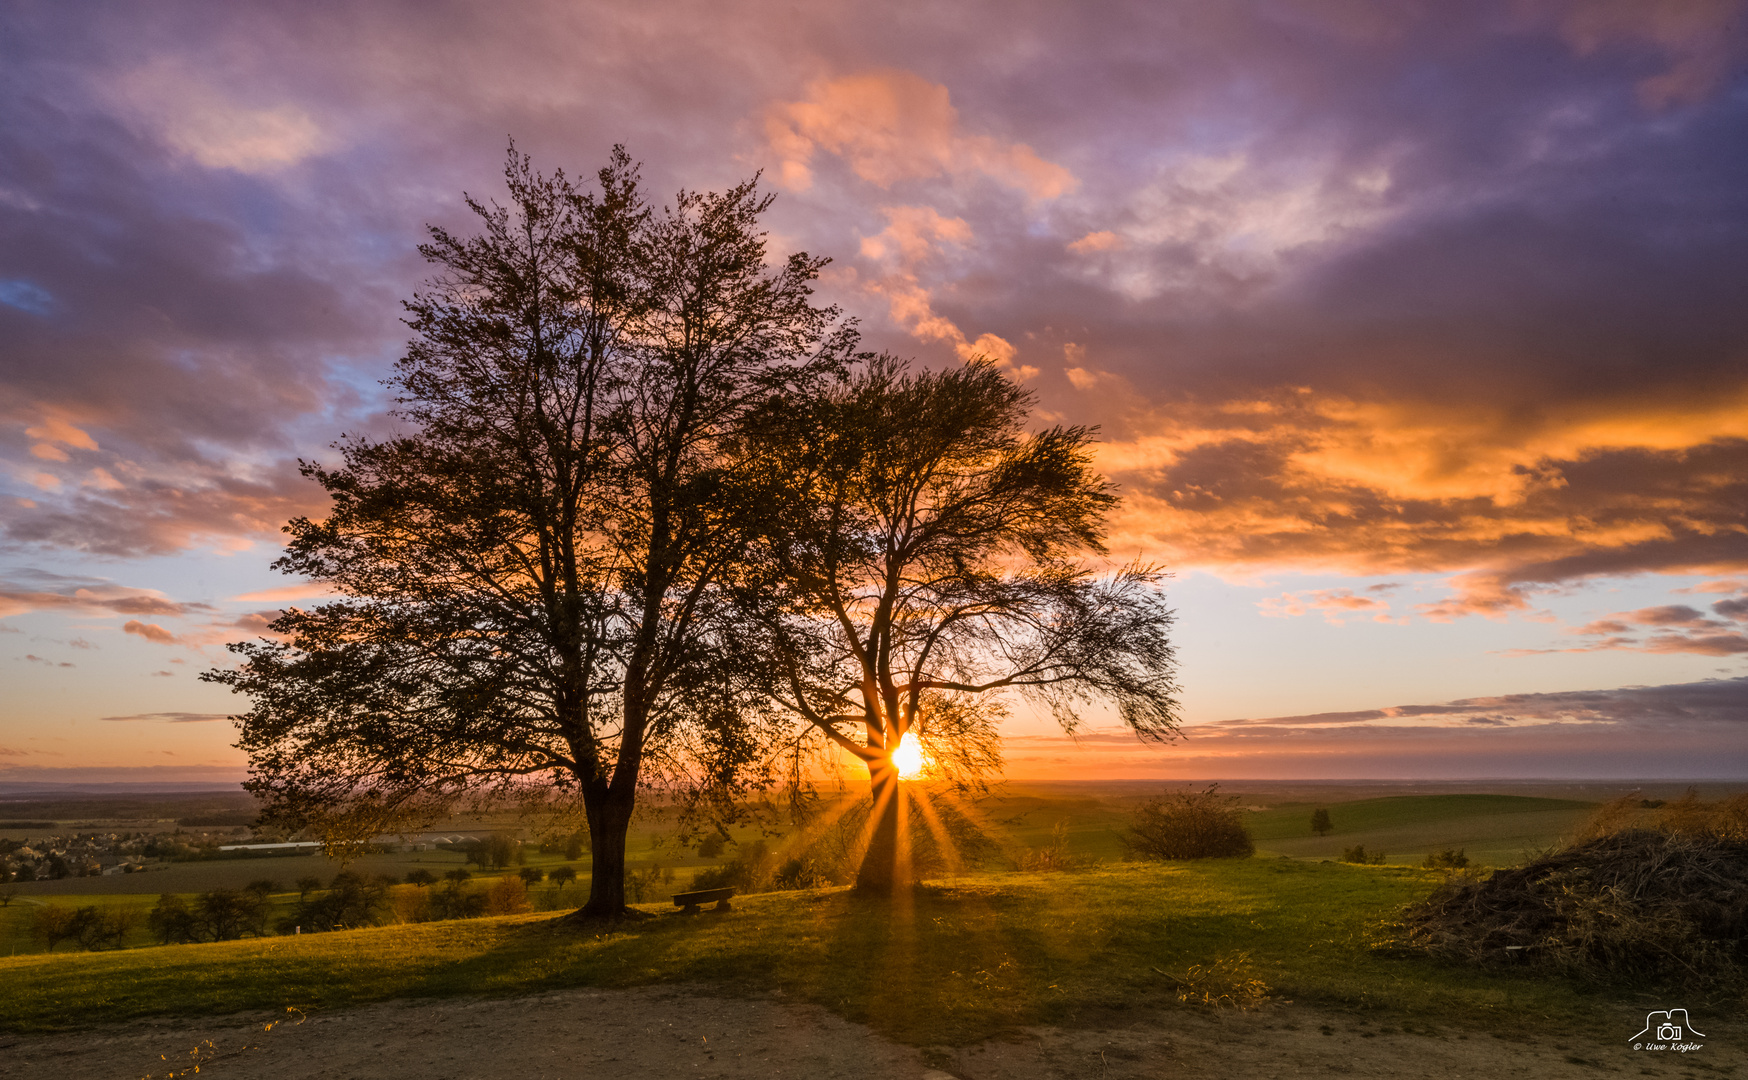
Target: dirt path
[[683, 1032]]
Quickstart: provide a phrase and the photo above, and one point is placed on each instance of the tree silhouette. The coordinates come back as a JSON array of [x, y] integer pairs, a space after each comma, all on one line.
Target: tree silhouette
[[524, 573], [924, 556], [1320, 821]]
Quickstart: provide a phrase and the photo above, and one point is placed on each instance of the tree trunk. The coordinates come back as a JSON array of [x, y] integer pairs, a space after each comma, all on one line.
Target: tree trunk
[[886, 867], [608, 824]]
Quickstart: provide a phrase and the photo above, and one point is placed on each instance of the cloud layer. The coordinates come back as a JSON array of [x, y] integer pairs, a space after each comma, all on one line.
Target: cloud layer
[[1364, 290]]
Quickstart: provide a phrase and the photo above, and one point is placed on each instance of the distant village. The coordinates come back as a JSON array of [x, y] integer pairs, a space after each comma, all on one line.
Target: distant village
[[92, 854]]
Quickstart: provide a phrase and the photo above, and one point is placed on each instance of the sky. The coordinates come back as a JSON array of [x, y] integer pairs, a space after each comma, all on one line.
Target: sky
[[1416, 333]]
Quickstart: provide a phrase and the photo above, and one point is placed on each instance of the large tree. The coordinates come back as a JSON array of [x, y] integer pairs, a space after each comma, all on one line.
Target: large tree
[[524, 571], [925, 557]]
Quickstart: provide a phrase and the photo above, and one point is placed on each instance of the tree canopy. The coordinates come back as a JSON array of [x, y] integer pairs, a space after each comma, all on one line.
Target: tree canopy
[[523, 574], [924, 556]]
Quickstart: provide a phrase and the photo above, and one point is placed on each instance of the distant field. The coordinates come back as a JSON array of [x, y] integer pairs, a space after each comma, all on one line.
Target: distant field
[[1493, 830]]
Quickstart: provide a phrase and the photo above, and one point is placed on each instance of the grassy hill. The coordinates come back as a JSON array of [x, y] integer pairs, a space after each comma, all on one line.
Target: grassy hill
[[963, 960]]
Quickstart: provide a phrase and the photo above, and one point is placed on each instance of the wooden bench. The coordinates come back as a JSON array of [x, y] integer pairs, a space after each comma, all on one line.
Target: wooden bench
[[688, 902]]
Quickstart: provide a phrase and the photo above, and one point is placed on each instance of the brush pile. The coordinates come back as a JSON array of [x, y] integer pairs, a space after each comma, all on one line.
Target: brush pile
[[1664, 899]]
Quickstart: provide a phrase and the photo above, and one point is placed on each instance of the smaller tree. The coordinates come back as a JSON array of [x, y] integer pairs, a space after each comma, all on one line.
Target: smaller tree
[[55, 923], [530, 875], [307, 885], [262, 887], [171, 922], [562, 876], [1320, 821], [7, 896], [421, 878], [104, 927]]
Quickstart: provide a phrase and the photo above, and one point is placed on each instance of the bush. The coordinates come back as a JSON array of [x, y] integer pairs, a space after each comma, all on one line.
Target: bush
[[648, 884], [410, 905], [800, 872], [747, 872], [1446, 860], [455, 902], [1189, 825], [1357, 854], [507, 896]]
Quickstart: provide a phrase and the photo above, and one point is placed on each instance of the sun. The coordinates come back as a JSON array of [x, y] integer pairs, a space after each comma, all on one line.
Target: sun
[[908, 758]]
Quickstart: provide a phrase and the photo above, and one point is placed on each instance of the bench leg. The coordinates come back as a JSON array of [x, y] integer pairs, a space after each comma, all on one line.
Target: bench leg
[[721, 905], [689, 909]]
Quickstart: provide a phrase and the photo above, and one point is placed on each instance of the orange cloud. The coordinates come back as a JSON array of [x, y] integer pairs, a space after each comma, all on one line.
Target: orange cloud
[[1103, 240], [892, 125], [1333, 603], [150, 631], [1317, 482], [913, 236]]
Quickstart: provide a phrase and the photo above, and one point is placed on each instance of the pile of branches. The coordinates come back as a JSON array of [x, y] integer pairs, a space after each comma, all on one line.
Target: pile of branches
[[1640, 902]]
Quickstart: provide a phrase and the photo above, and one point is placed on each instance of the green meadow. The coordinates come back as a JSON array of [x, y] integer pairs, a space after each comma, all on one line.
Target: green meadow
[[982, 952], [977, 955]]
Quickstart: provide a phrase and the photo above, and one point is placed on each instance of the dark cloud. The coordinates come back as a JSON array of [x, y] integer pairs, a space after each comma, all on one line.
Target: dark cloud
[[167, 717], [1365, 288], [1714, 701]]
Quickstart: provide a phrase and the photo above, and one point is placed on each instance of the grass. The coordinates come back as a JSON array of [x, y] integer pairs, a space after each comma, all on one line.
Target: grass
[[961, 961], [1494, 830]]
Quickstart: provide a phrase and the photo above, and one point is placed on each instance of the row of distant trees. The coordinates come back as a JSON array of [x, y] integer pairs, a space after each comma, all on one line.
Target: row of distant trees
[[653, 516], [349, 900]]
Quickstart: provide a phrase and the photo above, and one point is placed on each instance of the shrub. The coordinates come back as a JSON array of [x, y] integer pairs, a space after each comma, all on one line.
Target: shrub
[[410, 905], [711, 846], [1446, 860], [648, 883], [800, 872], [1229, 981], [455, 902], [1358, 854], [507, 895], [1189, 825]]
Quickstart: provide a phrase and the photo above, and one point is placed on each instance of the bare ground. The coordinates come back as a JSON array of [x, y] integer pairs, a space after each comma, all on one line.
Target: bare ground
[[685, 1032]]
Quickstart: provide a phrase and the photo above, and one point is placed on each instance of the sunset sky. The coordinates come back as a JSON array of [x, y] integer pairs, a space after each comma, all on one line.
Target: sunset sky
[[1417, 332]]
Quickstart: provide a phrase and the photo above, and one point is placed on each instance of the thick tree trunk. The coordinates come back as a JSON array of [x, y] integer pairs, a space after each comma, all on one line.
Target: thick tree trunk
[[886, 865], [608, 824]]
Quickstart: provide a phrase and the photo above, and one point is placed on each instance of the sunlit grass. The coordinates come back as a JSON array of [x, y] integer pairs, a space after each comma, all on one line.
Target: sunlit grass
[[950, 963]]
